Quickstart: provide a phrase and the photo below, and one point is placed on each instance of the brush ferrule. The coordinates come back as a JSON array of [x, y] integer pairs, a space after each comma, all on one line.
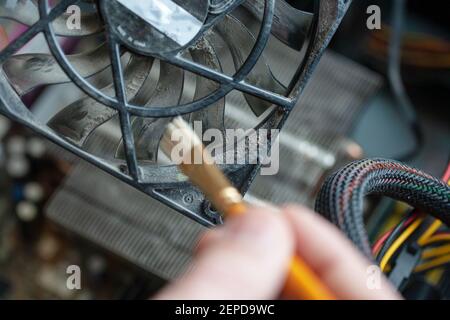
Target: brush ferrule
[[226, 198]]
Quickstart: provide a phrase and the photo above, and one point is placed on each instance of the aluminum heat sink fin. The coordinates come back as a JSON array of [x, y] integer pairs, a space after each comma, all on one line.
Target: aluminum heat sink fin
[[27, 71], [148, 131], [26, 12], [240, 42], [77, 121]]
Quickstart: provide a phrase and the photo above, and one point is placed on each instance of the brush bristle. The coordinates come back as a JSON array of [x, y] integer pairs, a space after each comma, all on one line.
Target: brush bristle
[[179, 132], [205, 175]]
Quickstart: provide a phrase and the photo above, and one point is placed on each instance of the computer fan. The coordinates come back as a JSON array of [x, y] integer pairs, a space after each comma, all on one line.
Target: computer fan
[[158, 59]]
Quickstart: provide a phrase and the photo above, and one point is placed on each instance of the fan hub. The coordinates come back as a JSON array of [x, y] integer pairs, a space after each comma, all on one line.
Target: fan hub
[[156, 26]]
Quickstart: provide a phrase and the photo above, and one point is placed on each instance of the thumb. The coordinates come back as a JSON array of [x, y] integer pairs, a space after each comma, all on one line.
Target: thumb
[[247, 258]]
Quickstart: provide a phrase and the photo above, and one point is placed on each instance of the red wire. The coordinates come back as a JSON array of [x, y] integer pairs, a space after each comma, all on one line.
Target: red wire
[[379, 243], [446, 177]]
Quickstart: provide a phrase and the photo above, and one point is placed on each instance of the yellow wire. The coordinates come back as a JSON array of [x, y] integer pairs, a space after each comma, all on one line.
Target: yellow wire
[[437, 238], [427, 238], [436, 252], [430, 231], [435, 276], [397, 243], [433, 263]]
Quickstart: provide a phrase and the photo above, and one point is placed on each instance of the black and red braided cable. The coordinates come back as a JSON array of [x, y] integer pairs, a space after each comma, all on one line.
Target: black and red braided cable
[[341, 199]]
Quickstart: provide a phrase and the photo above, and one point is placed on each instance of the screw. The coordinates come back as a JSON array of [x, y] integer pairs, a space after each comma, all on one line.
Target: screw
[[123, 168], [188, 198], [212, 213]]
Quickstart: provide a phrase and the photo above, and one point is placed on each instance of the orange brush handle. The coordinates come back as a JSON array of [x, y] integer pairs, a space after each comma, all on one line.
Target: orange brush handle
[[301, 282]]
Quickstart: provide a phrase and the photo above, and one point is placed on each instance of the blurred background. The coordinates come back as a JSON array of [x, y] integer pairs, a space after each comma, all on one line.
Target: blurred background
[[56, 210]]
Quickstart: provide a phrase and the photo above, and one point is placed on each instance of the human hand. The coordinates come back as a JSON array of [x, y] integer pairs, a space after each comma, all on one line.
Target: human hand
[[247, 258]]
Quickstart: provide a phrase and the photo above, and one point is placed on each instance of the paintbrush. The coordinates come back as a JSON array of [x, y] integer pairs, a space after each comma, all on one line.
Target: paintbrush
[[199, 167]]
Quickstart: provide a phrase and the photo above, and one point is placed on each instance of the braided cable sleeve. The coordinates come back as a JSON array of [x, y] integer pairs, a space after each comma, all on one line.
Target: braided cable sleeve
[[341, 198]]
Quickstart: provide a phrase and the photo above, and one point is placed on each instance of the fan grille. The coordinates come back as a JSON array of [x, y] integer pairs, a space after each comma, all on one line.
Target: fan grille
[[153, 179]]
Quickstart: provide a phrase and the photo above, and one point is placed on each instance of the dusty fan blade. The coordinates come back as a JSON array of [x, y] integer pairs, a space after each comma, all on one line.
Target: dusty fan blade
[[240, 42], [213, 116], [290, 25], [26, 12], [27, 71], [148, 131], [77, 121]]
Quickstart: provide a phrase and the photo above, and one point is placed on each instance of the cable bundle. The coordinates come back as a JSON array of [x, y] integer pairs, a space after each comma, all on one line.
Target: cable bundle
[[341, 199]]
